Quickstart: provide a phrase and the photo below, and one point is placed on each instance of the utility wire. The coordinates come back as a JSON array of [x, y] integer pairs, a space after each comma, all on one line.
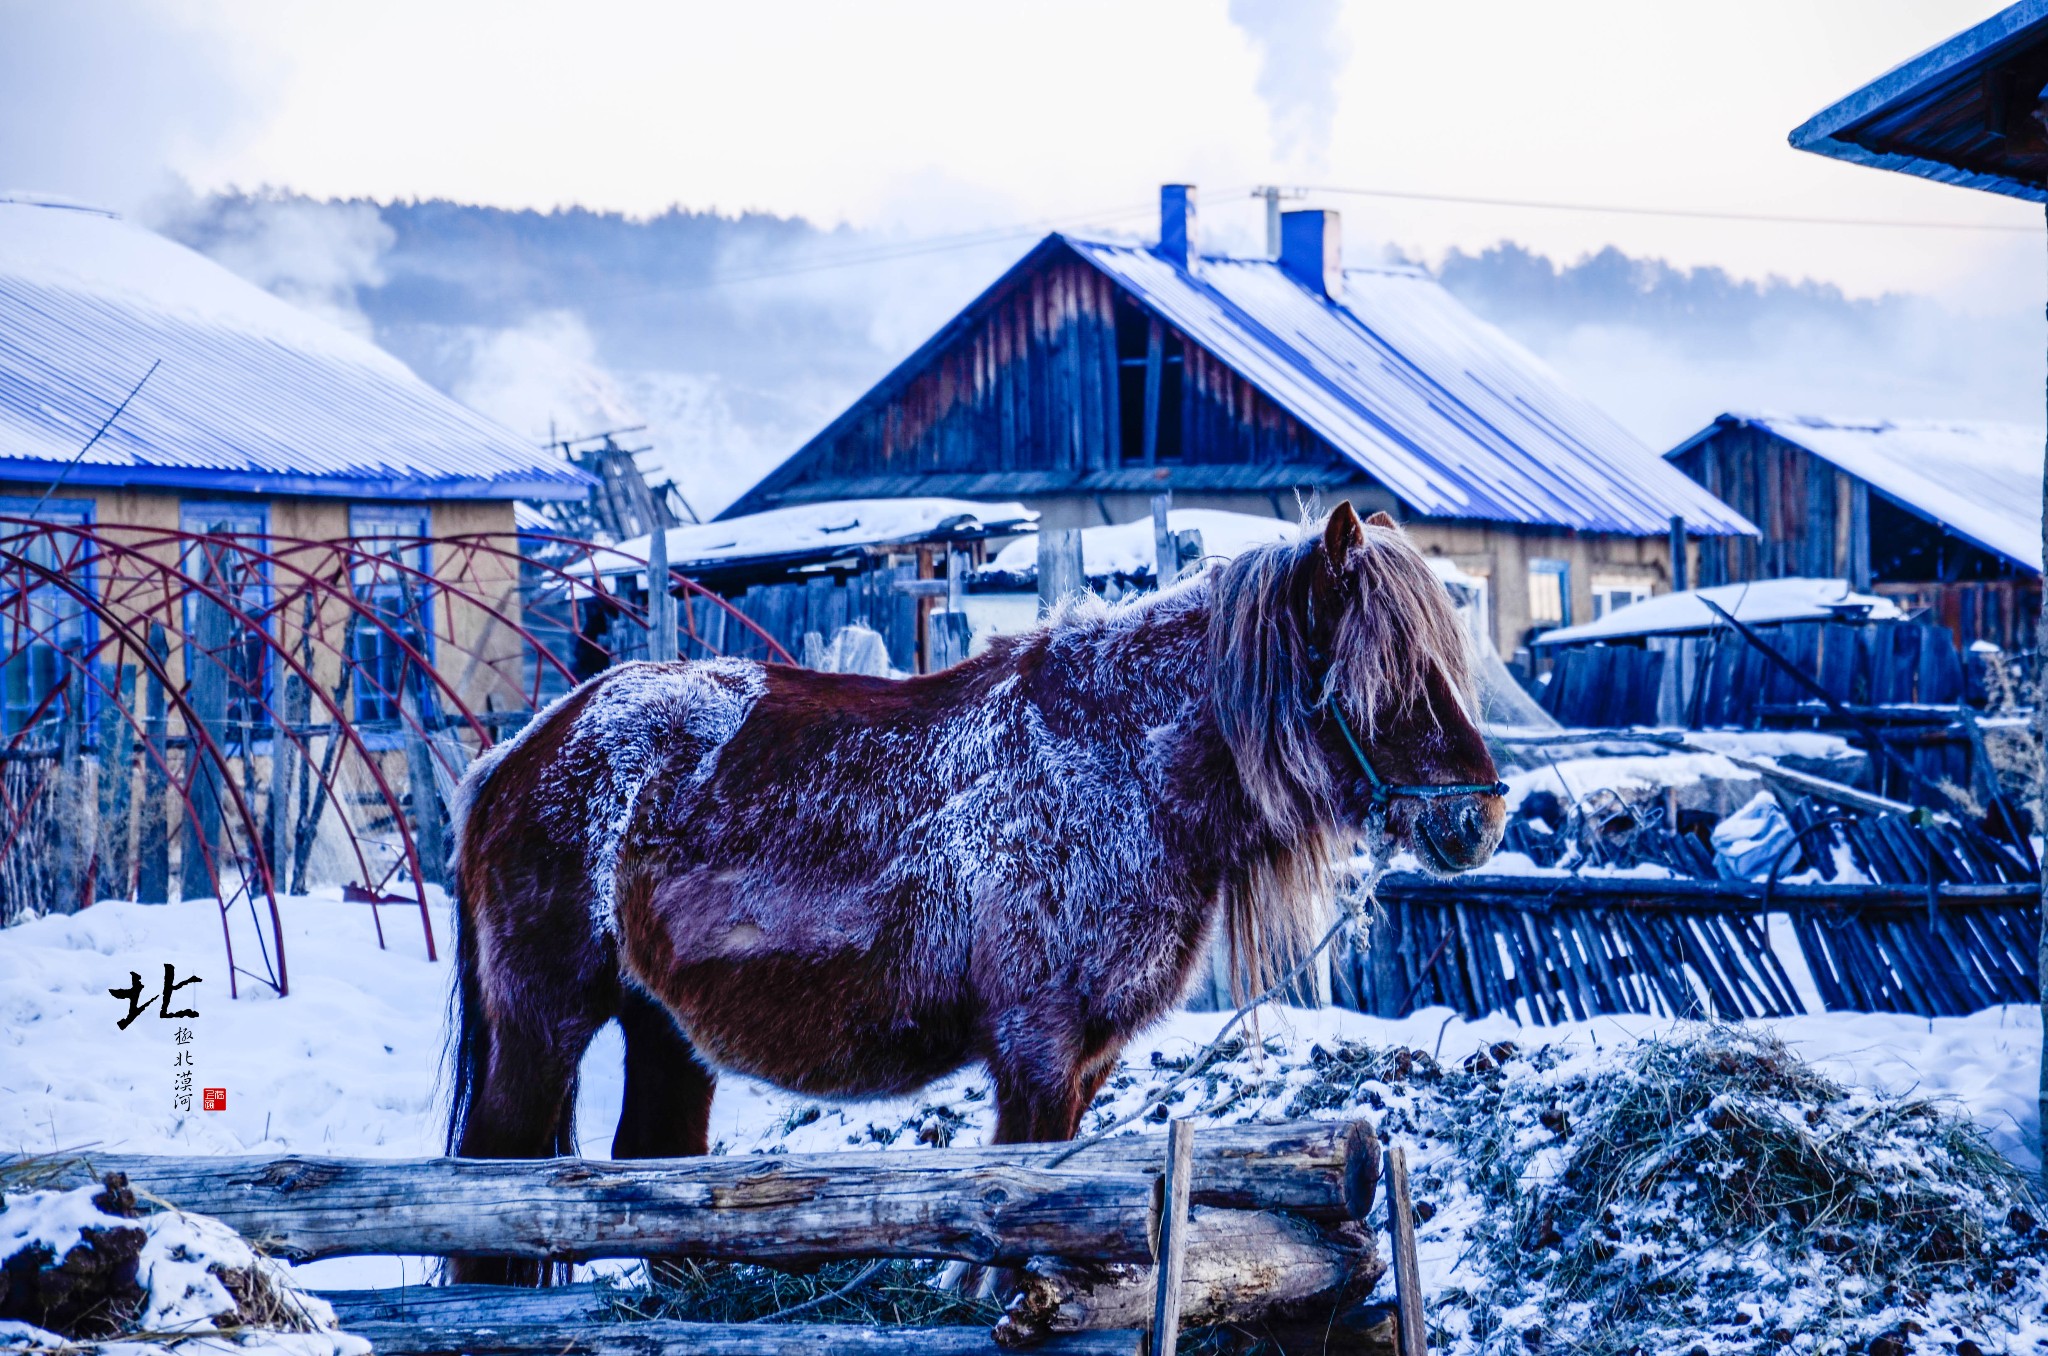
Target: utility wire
[[79, 456], [1695, 214]]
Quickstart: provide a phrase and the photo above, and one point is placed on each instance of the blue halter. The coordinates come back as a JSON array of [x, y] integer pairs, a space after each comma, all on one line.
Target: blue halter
[[1384, 791]]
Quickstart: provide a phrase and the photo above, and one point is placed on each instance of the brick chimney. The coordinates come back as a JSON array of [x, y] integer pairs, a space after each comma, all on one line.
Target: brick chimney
[[1312, 251], [1177, 225]]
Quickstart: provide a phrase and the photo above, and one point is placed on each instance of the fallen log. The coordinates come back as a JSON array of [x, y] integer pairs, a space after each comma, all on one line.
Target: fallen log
[[1242, 1266], [664, 1337], [977, 1205]]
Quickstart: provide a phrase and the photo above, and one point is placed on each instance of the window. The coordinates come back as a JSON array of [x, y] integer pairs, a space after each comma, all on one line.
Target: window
[[233, 566], [1550, 593], [393, 582], [45, 628], [1612, 595], [1145, 345]]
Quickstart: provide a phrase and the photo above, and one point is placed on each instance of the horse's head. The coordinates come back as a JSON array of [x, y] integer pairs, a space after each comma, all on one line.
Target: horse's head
[[1344, 689]]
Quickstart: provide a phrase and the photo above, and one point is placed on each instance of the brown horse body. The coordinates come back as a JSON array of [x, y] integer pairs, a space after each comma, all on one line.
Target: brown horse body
[[852, 886]]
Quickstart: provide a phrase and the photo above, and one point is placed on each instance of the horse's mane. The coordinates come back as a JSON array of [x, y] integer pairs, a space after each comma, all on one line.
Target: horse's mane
[[1397, 630]]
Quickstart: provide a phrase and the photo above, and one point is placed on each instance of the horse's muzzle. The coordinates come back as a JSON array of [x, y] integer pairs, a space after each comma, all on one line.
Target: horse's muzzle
[[1458, 833]]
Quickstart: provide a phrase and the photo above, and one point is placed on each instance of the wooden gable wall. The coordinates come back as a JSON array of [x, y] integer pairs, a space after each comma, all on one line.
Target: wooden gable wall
[[1807, 511], [1032, 387]]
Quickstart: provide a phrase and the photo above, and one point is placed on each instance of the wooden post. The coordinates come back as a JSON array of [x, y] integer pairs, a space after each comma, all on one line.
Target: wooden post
[[1414, 1336], [1060, 570], [1165, 550], [116, 874], [153, 847], [1171, 1261], [207, 683], [1155, 371], [1678, 562], [427, 838], [1859, 537], [284, 761], [72, 836], [661, 604]]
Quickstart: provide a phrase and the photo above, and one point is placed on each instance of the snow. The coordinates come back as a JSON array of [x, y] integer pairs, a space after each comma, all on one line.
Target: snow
[[1762, 601], [807, 529], [1128, 548], [97, 254], [347, 1064], [1980, 480], [178, 1268], [1576, 778], [1448, 412], [249, 393]]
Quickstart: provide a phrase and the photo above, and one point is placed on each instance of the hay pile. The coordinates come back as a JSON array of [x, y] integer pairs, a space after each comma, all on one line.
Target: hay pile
[[1705, 1193]]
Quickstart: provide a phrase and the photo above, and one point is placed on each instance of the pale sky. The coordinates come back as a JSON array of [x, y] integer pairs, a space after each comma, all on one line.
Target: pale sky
[[930, 118]]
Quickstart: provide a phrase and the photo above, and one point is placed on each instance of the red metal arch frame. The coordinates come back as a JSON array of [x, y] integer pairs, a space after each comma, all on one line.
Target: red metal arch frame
[[128, 579]]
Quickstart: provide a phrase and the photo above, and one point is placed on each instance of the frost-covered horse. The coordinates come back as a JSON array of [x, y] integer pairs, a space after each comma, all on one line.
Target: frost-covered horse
[[851, 886]]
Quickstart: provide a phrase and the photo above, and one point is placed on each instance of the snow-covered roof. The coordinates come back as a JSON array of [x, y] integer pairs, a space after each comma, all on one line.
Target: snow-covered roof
[[1764, 600], [1400, 379], [822, 530], [1981, 481], [1128, 548], [250, 393], [1445, 410]]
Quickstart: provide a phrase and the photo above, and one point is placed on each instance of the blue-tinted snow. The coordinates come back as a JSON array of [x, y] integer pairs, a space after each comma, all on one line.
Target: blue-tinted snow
[[1452, 415], [251, 394]]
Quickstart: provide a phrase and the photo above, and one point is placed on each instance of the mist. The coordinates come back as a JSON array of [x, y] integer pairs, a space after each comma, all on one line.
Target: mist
[[735, 337]]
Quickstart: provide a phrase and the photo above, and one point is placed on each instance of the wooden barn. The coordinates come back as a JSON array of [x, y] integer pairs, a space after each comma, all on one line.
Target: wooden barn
[[1940, 518], [1092, 376]]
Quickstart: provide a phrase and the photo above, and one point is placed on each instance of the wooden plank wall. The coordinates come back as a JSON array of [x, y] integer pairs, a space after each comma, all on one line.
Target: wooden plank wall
[[1033, 387], [1729, 682], [787, 611], [1799, 502]]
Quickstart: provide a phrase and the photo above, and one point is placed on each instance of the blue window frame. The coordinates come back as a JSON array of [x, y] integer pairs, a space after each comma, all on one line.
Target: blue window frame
[[234, 564], [392, 578], [45, 630]]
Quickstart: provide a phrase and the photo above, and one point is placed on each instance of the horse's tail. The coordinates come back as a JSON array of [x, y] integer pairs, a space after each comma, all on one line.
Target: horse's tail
[[469, 1038]]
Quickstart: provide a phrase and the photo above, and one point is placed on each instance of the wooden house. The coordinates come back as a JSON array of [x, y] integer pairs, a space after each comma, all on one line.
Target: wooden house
[[1938, 517], [143, 385], [1093, 375]]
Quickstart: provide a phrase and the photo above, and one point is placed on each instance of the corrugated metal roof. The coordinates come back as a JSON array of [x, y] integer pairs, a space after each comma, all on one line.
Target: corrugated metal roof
[[1981, 481], [1281, 476], [1936, 115], [1445, 410], [252, 394]]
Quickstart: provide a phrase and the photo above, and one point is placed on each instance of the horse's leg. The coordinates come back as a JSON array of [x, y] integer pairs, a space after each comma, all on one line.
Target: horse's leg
[[667, 1111], [523, 1103]]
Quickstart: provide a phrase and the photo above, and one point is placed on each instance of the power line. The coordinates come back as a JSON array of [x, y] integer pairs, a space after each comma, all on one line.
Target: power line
[[909, 249], [1696, 214]]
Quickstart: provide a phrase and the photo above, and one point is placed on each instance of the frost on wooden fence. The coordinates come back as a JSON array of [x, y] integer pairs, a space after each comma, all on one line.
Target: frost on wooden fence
[[1276, 1233]]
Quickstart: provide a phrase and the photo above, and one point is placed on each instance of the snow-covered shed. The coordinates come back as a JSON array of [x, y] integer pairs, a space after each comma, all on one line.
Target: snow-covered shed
[[1931, 514], [1094, 375]]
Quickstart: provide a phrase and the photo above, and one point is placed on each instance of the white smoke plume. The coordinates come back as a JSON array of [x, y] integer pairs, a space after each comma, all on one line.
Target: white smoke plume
[[1302, 52]]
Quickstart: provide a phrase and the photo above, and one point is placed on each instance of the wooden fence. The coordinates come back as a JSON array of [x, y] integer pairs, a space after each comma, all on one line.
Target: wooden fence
[[1265, 1221], [1720, 679]]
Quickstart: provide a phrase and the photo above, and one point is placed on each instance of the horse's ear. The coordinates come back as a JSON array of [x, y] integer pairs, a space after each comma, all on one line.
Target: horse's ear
[[1382, 518], [1342, 533]]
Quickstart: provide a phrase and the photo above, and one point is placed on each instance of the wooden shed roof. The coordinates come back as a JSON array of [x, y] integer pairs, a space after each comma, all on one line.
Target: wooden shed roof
[[1961, 112]]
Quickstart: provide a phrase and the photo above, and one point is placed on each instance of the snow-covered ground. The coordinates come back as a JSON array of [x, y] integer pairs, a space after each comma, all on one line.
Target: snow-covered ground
[[349, 1063]]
